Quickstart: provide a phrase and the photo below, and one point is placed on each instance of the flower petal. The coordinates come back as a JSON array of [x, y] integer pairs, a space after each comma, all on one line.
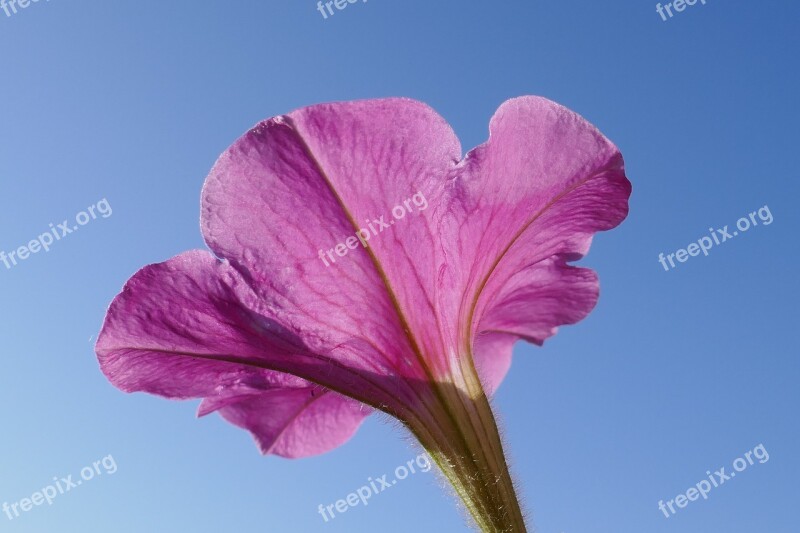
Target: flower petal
[[294, 186], [180, 330], [537, 300], [292, 422], [519, 208], [492, 353]]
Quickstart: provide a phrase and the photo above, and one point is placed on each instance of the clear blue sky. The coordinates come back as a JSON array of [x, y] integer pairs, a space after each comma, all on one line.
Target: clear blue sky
[[675, 373]]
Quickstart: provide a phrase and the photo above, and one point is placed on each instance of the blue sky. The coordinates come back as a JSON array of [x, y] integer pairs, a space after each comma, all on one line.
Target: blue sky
[[675, 372]]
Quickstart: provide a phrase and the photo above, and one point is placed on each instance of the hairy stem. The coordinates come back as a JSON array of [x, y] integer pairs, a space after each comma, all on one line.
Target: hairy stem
[[467, 448]]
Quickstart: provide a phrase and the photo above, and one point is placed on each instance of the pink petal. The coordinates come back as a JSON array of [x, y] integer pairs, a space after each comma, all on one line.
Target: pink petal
[[492, 352], [179, 330], [520, 207], [295, 185], [292, 422]]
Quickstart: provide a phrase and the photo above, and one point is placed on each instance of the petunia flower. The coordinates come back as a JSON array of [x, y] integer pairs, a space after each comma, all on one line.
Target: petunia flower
[[417, 322]]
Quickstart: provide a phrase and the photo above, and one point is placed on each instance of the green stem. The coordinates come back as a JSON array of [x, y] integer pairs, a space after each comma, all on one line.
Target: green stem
[[466, 446]]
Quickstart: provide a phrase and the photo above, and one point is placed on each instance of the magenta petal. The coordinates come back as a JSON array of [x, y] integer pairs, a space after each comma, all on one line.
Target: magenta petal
[[293, 422], [492, 354], [297, 185], [521, 206], [171, 330], [538, 299], [179, 330]]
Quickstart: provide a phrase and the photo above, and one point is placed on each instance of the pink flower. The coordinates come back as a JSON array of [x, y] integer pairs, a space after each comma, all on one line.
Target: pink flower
[[418, 322]]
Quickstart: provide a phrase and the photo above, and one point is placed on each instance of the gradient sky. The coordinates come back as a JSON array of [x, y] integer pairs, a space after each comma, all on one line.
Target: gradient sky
[[673, 374]]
